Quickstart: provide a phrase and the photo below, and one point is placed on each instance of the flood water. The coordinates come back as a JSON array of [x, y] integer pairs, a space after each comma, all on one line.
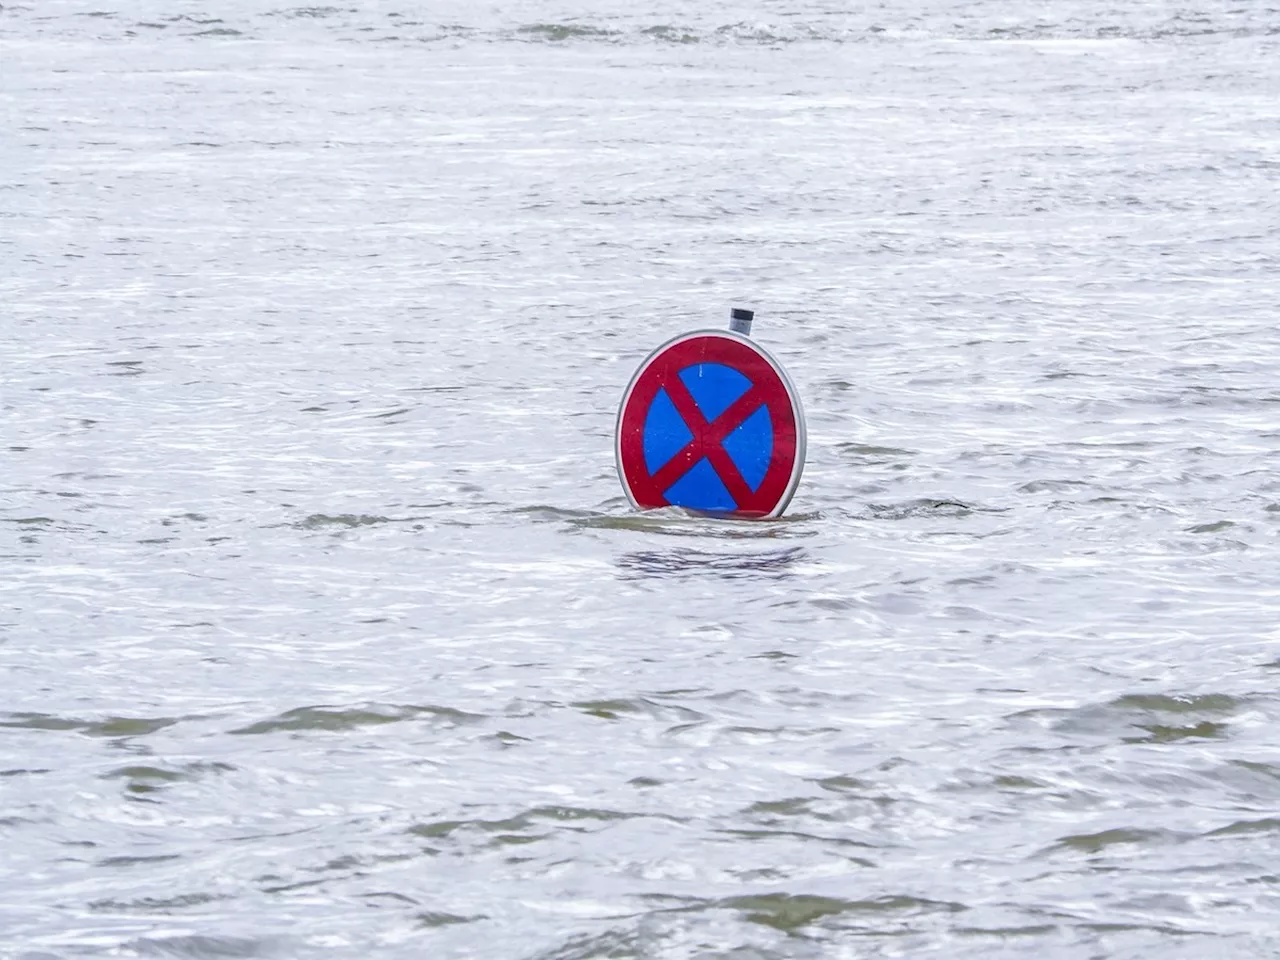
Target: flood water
[[327, 631]]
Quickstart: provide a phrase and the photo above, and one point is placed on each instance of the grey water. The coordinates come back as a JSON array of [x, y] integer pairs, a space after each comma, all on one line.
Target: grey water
[[327, 631]]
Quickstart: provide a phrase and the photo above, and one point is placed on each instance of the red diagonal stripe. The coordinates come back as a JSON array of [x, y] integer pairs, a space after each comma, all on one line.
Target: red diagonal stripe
[[691, 452], [735, 415], [685, 405], [677, 466], [719, 459]]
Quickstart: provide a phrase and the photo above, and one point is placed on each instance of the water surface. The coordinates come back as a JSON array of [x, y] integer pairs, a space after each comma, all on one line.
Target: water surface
[[326, 630]]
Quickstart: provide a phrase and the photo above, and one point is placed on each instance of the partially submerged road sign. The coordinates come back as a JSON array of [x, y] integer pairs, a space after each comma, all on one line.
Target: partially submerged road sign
[[711, 422]]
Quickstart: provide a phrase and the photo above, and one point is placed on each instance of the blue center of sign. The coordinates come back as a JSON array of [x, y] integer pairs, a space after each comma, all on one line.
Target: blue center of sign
[[714, 387], [665, 432], [701, 489], [751, 447]]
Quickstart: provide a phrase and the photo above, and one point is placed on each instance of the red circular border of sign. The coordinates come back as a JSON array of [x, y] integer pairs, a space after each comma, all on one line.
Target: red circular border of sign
[[780, 397]]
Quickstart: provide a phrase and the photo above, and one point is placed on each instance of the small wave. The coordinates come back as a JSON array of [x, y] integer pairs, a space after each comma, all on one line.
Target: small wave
[[1098, 842], [1267, 825], [109, 727], [1148, 718], [790, 912], [433, 919], [670, 34], [338, 719], [196, 945], [143, 779], [620, 708], [166, 905], [744, 32], [312, 13], [610, 944], [528, 827], [560, 32], [867, 454], [921, 507], [348, 521]]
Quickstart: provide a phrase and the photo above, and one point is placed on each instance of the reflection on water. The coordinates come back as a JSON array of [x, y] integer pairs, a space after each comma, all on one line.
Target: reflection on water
[[683, 563], [676, 522]]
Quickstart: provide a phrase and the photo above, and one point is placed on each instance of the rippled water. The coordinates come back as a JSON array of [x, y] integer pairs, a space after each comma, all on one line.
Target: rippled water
[[325, 628]]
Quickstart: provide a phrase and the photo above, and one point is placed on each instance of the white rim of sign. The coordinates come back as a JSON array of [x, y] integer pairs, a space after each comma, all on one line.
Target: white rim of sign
[[797, 468]]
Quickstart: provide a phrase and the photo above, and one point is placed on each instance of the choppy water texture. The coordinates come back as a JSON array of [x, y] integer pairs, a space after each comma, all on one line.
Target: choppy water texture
[[326, 631]]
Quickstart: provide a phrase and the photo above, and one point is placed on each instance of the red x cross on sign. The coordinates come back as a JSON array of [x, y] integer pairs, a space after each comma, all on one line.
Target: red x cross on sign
[[708, 439]]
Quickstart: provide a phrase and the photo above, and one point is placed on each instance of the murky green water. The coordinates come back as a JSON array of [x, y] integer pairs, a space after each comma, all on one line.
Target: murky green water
[[326, 631]]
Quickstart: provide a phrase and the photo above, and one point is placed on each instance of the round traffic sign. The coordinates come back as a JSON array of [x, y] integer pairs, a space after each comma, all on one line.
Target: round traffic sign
[[711, 422]]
